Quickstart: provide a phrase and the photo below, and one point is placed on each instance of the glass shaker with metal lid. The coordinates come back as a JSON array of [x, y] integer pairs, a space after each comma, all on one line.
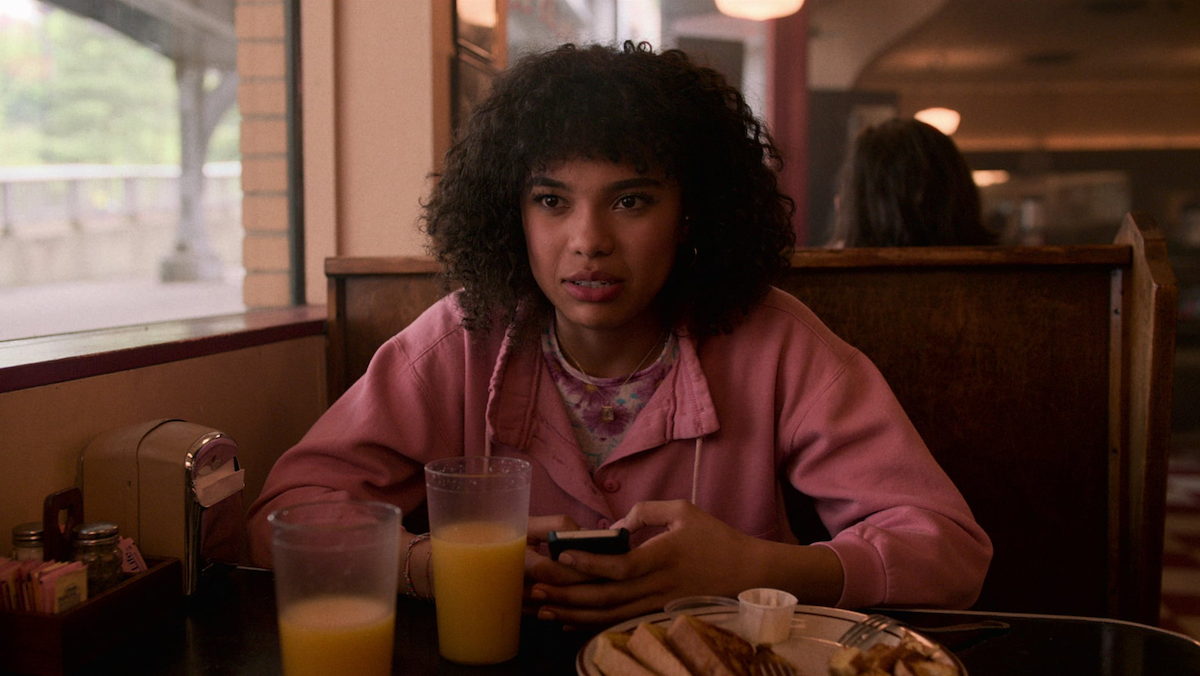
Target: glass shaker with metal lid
[[96, 544], [27, 541]]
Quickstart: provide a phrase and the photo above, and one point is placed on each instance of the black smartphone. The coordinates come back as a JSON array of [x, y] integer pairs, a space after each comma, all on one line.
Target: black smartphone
[[605, 541]]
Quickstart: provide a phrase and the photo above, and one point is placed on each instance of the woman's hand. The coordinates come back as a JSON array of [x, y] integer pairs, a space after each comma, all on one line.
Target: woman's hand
[[538, 566], [697, 554]]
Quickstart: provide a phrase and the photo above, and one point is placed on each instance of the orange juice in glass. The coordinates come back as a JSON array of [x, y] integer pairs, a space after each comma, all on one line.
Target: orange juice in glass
[[336, 580], [337, 634], [478, 514]]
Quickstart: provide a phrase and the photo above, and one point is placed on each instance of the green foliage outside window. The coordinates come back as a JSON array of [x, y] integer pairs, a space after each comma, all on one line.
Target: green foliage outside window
[[73, 90]]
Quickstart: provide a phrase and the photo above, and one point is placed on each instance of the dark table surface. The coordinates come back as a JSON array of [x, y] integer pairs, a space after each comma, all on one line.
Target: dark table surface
[[230, 629]]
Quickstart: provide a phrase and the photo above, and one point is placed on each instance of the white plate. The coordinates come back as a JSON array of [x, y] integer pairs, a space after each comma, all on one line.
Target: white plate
[[815, 631]]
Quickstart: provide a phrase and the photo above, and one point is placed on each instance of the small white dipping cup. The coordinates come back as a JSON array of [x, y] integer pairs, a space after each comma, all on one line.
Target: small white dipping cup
[[766, 615]]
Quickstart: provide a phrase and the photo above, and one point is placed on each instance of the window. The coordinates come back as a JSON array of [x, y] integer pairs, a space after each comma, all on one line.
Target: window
[[124, 173]]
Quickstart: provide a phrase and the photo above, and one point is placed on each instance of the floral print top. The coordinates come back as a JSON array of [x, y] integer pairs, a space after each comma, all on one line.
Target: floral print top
[[602, 409]]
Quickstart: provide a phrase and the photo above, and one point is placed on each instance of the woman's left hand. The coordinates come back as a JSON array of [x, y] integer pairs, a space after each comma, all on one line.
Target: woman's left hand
[[697, 554]]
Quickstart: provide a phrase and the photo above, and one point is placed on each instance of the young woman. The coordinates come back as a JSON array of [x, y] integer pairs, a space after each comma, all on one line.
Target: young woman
[[614, 220]]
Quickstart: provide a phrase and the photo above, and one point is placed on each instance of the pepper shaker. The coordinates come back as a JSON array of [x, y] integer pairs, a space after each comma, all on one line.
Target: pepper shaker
[[96, 544]]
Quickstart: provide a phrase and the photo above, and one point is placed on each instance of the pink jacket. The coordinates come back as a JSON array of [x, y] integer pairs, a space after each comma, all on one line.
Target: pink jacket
[[781, 396]]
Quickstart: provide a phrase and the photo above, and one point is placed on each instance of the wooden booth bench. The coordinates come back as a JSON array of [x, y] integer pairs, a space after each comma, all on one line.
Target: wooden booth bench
[[1040, 377]]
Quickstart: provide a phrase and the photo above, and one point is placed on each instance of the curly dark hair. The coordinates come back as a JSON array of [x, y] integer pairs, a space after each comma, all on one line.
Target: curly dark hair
[[906, 184], [630, 105]]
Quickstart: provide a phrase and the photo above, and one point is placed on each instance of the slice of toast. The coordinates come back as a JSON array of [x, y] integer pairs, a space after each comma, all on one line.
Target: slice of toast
[[709, 650], [612, 656], [649, 645]]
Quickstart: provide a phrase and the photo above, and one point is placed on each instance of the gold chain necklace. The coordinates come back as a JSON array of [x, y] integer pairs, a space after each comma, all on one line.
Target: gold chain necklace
[[607, 413]]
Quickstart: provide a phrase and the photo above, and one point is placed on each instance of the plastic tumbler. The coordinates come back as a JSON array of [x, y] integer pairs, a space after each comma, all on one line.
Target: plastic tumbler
[[336, 577], [478, 515]]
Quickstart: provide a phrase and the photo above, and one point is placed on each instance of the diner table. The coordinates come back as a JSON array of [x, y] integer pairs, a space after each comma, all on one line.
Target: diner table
[[229, 628]]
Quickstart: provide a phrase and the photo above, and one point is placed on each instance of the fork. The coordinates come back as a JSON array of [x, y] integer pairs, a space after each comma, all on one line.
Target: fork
[[767, 662], [865, 632], [868, 629]]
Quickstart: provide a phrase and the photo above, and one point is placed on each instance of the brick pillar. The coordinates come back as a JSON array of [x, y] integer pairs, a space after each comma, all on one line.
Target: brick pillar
[[262, 98]]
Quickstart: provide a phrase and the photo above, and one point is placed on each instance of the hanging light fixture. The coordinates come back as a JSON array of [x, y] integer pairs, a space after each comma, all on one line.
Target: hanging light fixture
[[988, 177], [942, 119], [759, 10]]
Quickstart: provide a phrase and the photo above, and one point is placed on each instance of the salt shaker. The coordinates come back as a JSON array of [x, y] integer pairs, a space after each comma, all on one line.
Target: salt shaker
[[27, 541], [96, 544]]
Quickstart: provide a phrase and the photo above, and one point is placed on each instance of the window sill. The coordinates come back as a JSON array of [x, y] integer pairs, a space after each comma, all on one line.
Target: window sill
[[33, 362]]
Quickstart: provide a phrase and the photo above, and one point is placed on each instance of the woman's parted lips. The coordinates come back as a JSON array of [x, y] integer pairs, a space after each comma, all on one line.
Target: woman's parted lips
[[595, 278]]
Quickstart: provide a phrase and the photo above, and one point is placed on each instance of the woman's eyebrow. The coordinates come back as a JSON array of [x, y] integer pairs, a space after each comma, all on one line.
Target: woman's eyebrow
[[623, 184], [639, 182], [546, 182]]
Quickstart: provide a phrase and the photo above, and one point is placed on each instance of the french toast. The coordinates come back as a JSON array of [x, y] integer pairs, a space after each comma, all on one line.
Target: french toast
[[908, 658], [709, 650], [688, 647], [612, 656], [649, 645]]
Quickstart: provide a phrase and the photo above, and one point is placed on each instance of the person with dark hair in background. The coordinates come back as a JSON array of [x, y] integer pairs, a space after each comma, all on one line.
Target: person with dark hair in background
[[906, 184], [614, 220]]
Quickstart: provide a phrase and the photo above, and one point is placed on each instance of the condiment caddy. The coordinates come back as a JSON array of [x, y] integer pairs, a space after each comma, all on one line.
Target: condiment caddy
[[96, 610]]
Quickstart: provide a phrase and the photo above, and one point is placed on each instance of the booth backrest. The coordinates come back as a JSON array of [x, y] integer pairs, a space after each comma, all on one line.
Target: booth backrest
[[1040, 378]]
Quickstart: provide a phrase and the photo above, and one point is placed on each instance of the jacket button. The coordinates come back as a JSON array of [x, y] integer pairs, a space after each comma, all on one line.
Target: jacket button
[[612, 485], [603, 523]]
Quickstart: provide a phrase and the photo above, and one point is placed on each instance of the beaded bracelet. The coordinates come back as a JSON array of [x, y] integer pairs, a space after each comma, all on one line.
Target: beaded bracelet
[[412, 591]]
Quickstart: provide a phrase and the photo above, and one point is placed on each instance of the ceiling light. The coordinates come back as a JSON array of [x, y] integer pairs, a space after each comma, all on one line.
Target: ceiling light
[[759, 10], [988, 177], [942, 119]]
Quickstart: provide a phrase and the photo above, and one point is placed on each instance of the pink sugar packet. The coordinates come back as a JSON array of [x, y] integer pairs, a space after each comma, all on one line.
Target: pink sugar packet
[[131, 557], [25, 597], [8, 583]]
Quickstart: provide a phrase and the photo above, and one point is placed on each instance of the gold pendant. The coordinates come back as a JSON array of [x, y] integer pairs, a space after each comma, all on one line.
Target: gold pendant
[[606, 414]]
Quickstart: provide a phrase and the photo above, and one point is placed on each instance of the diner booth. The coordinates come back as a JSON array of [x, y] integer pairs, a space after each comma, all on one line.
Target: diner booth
[[1058, 439], [1039, 376]]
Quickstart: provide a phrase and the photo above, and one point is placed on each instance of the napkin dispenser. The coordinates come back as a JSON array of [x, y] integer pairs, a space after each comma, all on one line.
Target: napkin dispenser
[[172, 486]]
